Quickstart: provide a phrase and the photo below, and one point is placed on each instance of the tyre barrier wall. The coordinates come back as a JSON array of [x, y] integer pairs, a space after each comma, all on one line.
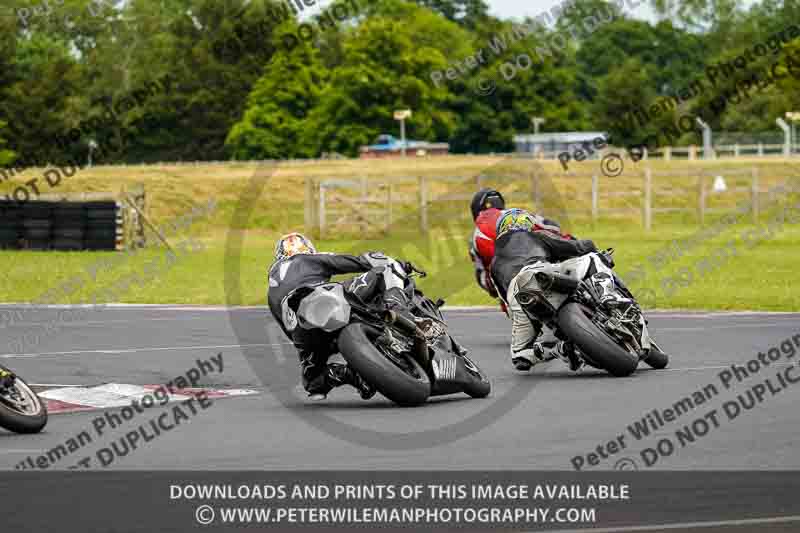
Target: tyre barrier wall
[[61, 225]]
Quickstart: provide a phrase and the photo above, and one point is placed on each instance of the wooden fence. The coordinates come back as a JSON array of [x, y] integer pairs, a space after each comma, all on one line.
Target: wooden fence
[[366, 205]]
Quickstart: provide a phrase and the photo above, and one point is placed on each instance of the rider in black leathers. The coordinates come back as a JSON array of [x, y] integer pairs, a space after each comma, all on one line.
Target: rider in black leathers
[[298, 265]]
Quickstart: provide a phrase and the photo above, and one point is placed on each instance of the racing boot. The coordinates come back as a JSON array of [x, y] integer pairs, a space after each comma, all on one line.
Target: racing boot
[[609, 297], [338, 375], [567, 352], [526, 356], [535, 353]]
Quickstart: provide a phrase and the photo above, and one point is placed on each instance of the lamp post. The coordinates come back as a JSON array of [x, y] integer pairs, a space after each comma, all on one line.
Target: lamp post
[[92, 148], [402, 115], [794, 116]]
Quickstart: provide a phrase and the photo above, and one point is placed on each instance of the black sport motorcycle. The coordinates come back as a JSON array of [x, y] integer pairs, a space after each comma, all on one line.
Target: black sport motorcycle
[[406, 354], [582, 301], [21, 409]]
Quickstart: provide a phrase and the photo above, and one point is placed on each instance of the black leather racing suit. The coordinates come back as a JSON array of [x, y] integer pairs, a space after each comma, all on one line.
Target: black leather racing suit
[[316, 346], [517, 249]]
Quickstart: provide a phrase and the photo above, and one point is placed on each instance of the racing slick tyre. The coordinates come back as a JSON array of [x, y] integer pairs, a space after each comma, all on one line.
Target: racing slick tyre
[[656, 358], [23, 413], [600, 348], [401, 379]]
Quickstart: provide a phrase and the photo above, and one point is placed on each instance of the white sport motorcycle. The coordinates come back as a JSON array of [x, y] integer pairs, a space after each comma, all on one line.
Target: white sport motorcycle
[[582, 301]]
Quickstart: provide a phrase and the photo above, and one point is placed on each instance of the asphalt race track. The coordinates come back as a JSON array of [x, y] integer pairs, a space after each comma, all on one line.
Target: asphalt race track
[[562, 416]]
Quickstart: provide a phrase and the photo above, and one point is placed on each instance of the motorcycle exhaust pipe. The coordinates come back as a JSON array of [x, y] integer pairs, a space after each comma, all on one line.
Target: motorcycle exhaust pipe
[[401, 322], [556, 282], [410, 328]]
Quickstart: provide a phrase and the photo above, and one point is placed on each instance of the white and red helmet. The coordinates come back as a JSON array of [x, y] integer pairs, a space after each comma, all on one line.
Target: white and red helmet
[[293, 244]]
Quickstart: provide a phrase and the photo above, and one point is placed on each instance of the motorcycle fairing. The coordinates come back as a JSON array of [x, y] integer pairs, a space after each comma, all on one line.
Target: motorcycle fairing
[[325, 308]]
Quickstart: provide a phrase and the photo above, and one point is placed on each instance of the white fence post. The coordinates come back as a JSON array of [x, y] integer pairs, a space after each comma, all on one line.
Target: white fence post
[[321, 209], [308, 212], [423, 204], [648, 199], [701, 198], [754, 190]]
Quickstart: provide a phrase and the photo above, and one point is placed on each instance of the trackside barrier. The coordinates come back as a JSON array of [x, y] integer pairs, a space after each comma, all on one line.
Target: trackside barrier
[[73, 222]]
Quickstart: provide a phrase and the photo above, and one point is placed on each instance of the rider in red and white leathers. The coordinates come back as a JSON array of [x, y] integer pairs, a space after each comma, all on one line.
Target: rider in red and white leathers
[[487, 205]]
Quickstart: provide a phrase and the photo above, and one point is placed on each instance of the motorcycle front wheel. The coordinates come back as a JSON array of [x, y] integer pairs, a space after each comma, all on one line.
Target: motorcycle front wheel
[[399, 378], [21, 409], [575, 320]]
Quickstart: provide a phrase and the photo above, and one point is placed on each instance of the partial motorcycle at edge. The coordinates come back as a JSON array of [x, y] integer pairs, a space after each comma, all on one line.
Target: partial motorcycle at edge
[[21, 409]]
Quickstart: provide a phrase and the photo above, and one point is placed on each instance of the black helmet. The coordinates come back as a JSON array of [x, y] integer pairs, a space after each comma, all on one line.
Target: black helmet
[[485, 199]]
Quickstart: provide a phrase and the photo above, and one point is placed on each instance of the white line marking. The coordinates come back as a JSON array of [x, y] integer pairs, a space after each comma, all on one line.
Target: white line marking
[[688, 525], [134, 350], [732, 326], [133, 307], [3, 452], [92, 322], [714, 367], [680, 313], [54, 385]]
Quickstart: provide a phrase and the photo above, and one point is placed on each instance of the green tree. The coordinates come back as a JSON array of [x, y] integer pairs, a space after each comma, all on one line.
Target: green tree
[[6, 156], [619, 93], [277, 109], [468, 13], [387, 66]]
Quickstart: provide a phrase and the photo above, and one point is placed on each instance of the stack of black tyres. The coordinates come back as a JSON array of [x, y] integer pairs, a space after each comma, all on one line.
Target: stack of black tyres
[[37, 225], [64, 226], [10, 227], [69, 228], [101, 226]]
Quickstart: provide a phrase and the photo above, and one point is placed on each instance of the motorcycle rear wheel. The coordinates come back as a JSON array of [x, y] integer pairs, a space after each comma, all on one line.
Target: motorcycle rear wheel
[[408, 386], [574, 319]]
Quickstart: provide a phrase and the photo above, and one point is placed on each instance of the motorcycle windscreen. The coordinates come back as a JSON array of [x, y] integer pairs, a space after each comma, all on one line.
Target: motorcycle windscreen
[[326, 308]]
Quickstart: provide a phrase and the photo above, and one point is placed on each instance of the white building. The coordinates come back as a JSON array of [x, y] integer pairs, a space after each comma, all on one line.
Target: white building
[[553, 143]]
